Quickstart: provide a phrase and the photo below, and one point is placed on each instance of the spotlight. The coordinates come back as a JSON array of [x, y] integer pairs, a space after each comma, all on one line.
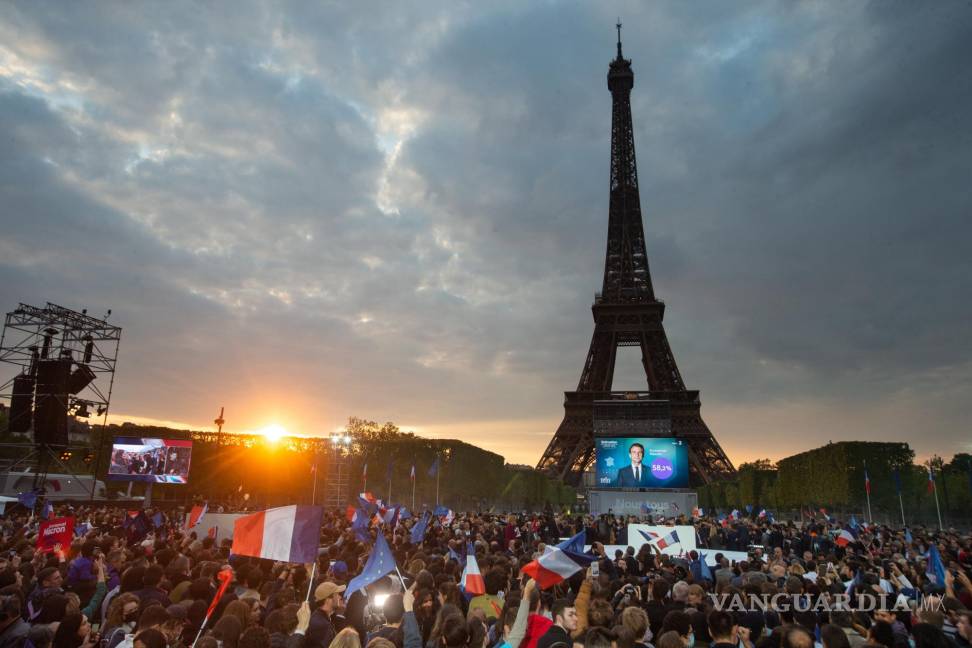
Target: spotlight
[[82, 410], [88, 348], [101, 410], [89, 456], [66, 455]]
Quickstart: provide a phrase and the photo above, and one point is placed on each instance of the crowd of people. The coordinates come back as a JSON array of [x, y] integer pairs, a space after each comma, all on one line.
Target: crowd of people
[[124, 585], [144, 462]]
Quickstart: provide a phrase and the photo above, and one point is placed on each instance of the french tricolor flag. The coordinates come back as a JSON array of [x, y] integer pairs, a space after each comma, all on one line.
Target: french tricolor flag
[[472, 579], [196, 514], [288, 534], [560, 562], [669, 540], [844, 538]]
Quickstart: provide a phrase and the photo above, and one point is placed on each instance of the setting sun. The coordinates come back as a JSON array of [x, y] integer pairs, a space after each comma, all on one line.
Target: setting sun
[[273, 432]]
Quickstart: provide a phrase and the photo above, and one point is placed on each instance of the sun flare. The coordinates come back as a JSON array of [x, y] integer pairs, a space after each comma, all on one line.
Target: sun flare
[[273, 432]]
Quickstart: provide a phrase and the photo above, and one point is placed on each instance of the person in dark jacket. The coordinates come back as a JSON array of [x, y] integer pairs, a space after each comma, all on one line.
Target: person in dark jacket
[[394, 611], [49, 581], [13, 629], [320, 631], [565, 622], [722, 629], [150, 587]]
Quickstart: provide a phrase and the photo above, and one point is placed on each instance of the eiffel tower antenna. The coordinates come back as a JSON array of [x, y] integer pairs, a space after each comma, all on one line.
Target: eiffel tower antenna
[[619, 38], [627, 313]]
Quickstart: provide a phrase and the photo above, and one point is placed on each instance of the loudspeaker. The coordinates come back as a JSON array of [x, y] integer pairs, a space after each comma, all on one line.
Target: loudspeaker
[[51, 402], [21, 404], [80, 379]]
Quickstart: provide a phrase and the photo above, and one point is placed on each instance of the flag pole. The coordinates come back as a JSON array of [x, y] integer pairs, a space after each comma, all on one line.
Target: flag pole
[[314, 489], [199, 634], [389, 490], [413, 487], [438, 469], [310, 581], [867, 490], [938, 509], [212, 606], [901, 503], [400, 577]]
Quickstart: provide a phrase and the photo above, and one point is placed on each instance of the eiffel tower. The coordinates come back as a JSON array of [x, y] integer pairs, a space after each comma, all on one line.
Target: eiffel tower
[[627, 313]]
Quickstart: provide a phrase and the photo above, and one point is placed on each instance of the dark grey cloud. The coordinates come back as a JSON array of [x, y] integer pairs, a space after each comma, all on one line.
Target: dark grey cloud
[[310, 211]]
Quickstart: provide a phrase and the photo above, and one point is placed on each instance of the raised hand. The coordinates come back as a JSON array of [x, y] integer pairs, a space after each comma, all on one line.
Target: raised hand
[[408, 598], [303, 616]]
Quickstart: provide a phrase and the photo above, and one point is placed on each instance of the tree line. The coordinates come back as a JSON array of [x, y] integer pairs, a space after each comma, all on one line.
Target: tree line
[[832, 477]]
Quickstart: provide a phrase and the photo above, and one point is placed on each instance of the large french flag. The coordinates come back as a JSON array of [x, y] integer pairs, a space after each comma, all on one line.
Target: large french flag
[[560, 562], [288, 534]]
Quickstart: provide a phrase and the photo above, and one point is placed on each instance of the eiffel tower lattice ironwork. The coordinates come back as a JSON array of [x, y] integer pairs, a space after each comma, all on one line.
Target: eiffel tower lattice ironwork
[[627, 313]]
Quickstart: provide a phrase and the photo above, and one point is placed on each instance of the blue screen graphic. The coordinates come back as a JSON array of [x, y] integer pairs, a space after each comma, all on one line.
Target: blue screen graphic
[[630, 462]]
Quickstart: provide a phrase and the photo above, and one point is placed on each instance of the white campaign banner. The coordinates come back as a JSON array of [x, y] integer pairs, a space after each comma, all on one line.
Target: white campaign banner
[[710, 554], [672, 540]]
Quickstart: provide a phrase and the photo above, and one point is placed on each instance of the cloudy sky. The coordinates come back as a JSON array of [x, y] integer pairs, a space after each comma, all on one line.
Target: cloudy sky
[[305, 211]]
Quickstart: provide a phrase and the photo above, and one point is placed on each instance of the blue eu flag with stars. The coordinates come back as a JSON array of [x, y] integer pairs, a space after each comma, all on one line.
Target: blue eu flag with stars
[[380, 563]]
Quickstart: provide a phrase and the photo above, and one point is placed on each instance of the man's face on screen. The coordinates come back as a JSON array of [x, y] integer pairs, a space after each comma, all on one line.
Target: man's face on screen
[[636, 454]]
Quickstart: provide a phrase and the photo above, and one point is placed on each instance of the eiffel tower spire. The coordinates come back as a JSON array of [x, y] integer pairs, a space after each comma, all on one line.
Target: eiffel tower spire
[[626, 313], [626, 276]]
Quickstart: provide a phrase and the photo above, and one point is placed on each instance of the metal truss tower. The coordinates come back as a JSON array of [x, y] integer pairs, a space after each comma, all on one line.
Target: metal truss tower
[[63, 365]]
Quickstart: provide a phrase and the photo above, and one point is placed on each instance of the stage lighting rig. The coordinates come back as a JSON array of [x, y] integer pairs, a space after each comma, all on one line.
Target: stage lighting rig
[[80, 409], [61, 362]]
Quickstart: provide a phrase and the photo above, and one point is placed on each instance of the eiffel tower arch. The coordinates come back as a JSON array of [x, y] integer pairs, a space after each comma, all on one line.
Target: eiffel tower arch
[[627, 313]]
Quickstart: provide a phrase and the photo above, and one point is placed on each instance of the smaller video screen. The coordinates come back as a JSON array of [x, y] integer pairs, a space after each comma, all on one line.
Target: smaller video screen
[[160, 461]]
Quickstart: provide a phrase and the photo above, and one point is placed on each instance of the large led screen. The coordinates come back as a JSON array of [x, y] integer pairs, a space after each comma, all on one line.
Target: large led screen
[[630, 462], [161, 461]]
